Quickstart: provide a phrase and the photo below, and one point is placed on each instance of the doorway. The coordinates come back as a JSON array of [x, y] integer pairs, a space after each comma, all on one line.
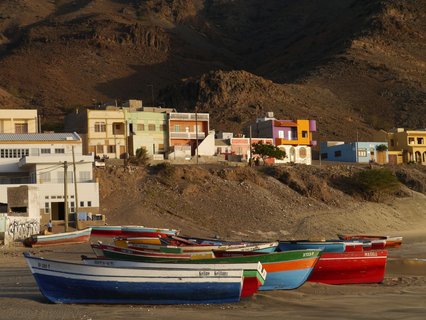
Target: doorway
[[58, 210]]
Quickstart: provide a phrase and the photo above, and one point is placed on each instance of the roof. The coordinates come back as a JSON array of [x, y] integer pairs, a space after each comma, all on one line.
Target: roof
[[39, 137]]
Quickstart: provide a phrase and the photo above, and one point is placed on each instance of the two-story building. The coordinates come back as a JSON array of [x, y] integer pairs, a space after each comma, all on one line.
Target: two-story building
[[405, 145], [187, 133], [294, 137], [104, 131], [148, 128], [39, 162]]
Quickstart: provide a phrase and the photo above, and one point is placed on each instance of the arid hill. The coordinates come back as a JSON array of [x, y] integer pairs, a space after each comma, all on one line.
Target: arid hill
[[351, 64], [266, 202]]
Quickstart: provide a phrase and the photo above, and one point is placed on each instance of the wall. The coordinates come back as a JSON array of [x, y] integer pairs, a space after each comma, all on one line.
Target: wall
[[8, 118], [353, 152], [296, 154], [207, 146]]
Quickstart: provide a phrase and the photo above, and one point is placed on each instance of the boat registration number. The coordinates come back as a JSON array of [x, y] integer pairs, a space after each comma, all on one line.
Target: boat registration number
[[308, 254], [43, 265]]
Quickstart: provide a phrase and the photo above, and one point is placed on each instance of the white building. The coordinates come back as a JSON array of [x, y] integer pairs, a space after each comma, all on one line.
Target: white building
[[40, 160]]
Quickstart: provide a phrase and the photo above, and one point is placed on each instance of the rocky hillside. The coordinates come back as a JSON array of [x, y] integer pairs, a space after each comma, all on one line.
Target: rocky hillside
[[348, 63], [264, 202]]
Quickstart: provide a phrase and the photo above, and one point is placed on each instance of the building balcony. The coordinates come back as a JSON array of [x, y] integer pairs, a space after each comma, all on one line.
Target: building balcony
[[189, 116], [187, 135]]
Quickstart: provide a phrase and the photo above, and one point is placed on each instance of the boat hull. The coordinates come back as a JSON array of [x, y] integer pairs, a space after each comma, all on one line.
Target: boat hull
[[286, 270], [81, 236], [62, 282], [350, 267]]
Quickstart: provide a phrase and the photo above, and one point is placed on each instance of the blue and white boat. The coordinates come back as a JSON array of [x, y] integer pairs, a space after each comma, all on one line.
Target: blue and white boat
[[67, 282]]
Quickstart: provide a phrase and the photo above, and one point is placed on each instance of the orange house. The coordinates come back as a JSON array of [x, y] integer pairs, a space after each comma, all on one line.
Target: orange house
[[185, 129]]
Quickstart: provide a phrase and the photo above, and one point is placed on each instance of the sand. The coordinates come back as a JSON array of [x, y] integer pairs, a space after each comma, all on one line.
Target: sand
[[401, 295]]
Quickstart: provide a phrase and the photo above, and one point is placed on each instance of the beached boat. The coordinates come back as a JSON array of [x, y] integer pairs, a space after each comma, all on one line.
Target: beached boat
[[153, 256], [389, 241], [254, 274], [38, 240], [350, 267], [132, 231], [106, 231], [66, 282], [325, 246], [141, 231], [286, 270], [258, 247]]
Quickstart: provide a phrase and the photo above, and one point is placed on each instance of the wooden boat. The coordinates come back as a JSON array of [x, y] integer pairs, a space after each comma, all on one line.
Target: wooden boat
[[325, 246], [65, 282], [286, 270], [132, 231], [153, 256], [376, 241], [38, 240], [106, 231], [141, 231], [259, 247], [350, 267], [254, 274], [122, 241]]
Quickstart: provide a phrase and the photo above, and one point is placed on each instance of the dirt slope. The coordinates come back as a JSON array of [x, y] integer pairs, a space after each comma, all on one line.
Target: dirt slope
[[269, 203]]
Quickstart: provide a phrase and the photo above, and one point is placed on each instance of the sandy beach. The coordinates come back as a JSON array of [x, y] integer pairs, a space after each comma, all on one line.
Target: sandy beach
[[401, 295]]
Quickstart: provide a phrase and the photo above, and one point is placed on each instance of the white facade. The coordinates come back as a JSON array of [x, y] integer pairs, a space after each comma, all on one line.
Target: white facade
[[296, 154], [40, 160]]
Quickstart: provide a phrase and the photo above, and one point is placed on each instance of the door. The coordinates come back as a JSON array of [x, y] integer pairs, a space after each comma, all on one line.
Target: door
[[58, 210]]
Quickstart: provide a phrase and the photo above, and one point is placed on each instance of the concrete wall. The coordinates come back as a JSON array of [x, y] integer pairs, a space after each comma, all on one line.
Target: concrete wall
[[207, 146], [296, 154]]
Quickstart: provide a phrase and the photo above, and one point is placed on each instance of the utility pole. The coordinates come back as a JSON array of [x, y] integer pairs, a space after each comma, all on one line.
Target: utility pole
[[75, 185], [152, 94], [196, 133], [126, 144], [66, 194]]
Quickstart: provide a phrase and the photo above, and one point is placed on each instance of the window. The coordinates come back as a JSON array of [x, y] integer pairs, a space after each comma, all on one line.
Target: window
[[338, 153], [89, 203], [99, 148], [304, 134], [117, 128], [410, 140], [302, 153], [44, 177], [72, 206], [46, 207], [21, 127], [60, 150], [45, 151], [81, 203], [111, 149], [100, 127], [151, 127], [177, 128], [85, 176], [324, 155], [14, 153], [362, 152], [419, 140], [163, 127], [140, 127]]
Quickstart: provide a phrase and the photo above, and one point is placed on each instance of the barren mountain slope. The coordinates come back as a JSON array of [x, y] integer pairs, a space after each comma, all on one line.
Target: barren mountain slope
[[356, 62], [276, 202]]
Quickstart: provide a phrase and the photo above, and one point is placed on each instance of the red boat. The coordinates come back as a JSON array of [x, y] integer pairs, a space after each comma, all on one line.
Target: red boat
[[376, 241], [350, 267]]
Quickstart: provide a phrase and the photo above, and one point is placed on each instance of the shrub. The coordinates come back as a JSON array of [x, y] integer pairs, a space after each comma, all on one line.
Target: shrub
[[141, 157], [381, 147], [376, 184]]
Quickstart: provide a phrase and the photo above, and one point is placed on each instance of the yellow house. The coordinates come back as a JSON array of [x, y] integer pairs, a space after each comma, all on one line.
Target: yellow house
[[18, 121], [406, 145], [103, 131]]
